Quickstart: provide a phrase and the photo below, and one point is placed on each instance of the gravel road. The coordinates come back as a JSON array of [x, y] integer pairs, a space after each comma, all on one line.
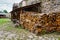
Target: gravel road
[[8, 35]]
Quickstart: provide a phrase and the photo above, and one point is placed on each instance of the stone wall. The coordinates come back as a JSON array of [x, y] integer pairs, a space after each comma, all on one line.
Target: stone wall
[[30, 2], [47, 6], [50, 6]]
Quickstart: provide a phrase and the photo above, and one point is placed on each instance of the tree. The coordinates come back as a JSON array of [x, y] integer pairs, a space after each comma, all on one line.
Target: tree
[[5, 11]]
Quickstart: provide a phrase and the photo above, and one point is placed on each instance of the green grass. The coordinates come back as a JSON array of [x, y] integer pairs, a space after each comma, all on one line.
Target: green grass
[[4, 20], [59, 38], [15, 30], [10, 27]]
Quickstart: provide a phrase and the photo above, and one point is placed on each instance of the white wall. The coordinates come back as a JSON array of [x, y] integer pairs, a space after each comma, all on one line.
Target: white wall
[[8, 15]]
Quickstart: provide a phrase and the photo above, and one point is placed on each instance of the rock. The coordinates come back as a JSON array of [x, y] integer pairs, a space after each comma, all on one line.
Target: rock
[[30, 36], [28, 39], [1, 32], [7, 33], [40, 37]]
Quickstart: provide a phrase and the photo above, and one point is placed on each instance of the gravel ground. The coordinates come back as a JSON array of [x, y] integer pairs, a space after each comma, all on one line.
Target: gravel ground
[[4, 35], [8, 35]]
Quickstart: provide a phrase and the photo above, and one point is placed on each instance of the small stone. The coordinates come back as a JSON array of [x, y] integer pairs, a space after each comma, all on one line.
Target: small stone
[[7, 33], [30, 36], [1, 39], [1, 32], [35, 36], [28, 39], [40, 37]]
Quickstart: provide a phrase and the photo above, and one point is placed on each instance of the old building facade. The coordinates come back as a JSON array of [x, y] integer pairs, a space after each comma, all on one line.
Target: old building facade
[[46, 6], [50, 6]]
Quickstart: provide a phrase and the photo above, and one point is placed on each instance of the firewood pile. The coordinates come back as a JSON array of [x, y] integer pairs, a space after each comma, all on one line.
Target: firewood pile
[[36, 22]]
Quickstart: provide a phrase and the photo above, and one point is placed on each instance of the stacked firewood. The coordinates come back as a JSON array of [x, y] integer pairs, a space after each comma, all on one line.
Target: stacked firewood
[[58, 22], [36, 22]]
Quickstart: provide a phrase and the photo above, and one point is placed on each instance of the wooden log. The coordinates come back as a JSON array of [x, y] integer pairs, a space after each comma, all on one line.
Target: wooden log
[[48, 22]]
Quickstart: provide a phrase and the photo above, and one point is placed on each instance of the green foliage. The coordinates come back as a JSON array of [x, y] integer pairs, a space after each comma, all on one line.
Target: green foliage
[[5, 11], [43, 32]]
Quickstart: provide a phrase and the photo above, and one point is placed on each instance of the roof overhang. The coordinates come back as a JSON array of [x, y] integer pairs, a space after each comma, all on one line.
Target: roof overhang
[[17, 9]]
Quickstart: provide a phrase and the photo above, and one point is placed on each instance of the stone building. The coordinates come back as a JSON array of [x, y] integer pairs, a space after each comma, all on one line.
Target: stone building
[[36, 6], [50, 6], [28, 2], [46, 6], [15, 6]]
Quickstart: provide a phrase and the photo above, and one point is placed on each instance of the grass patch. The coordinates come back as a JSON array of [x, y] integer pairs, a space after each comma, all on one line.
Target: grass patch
[[59, 38], [4, 20], [15, 30], [10, 27]]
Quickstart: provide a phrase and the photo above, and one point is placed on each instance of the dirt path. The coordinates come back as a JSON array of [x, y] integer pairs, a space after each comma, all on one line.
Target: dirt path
[[23, 35]]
